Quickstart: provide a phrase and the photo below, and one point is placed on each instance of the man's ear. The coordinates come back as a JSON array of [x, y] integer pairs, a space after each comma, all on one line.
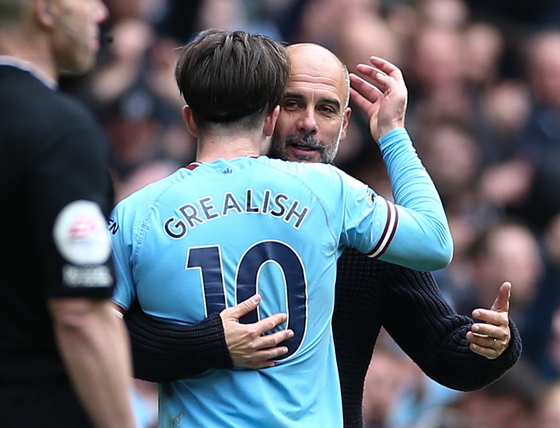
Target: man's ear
[[189, 121], [270, 121], [347, 113], [44, 13]]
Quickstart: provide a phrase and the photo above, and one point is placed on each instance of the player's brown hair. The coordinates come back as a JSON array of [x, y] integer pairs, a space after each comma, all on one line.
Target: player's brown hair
[[228, 76]]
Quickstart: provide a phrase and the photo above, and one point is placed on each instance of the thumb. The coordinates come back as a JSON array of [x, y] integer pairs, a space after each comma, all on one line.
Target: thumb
[[501, 304], [244, 307]]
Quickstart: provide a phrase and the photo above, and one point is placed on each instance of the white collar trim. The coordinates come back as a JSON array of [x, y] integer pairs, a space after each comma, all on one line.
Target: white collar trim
[[31, 68]]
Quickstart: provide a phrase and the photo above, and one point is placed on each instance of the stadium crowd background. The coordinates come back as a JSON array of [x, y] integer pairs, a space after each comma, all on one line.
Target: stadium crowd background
[[484, 113]]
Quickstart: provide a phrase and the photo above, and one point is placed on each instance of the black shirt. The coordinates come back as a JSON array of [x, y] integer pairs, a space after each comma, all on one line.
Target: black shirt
[[52, 154]]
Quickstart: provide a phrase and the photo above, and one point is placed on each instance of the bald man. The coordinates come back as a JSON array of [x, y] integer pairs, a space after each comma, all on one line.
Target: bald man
[[452, 349]]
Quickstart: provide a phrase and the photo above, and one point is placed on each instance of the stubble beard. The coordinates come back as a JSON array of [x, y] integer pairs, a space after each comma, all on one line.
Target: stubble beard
[[279, 148]]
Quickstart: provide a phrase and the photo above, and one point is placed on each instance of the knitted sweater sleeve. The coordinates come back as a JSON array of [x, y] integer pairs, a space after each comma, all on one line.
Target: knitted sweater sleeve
[[164, 352], [418, 318]]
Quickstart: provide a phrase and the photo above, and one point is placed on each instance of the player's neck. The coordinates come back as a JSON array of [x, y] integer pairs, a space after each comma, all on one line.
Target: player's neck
[[210, 149]]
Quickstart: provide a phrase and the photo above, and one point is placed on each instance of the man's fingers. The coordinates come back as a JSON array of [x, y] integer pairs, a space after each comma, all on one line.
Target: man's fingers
[[270, 322], [493, 330], [369, 71], [243, 308], [271, 340], [383, 85], [270, 353], [501, 304], [265, 348], [481, 339], [364, 95], [491, 317], [378, 80], [491, 337], [489, 353], [369, 91], [486, 346], [387, 68], [499, 310], [358, 99], [249, 345]]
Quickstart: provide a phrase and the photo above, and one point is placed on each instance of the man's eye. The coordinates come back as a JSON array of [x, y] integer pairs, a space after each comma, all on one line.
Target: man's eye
[[291, 105]]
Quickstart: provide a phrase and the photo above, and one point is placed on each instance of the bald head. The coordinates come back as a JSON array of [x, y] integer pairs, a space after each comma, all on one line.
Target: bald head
[[58, 36], [314, 111], [317, 61]]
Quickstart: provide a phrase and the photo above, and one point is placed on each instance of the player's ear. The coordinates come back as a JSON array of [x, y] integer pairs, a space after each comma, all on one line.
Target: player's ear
[[270, 121], [189, 121], [345, 120]]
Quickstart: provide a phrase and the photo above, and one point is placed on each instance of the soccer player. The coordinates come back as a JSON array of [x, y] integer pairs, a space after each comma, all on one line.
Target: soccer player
[[232, 223], [369, 293], [64, 355]]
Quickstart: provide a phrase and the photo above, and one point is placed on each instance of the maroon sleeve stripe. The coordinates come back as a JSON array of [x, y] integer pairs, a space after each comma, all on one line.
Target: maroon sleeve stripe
[[388, 232]]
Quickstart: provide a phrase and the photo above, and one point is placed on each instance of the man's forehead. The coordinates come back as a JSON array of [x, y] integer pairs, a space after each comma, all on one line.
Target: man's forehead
[[313, 82], [316, 73], [315, 61]]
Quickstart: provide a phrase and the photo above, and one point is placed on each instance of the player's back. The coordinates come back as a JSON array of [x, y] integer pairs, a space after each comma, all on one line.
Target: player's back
[[211, 236]]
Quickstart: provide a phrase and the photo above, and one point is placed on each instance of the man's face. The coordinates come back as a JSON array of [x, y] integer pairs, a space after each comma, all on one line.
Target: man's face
[[76, 38], [313, 116]]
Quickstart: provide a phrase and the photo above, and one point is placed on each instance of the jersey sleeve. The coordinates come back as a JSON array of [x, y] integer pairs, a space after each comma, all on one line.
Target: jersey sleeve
[[122, 238], [415, 232], [70, 196]]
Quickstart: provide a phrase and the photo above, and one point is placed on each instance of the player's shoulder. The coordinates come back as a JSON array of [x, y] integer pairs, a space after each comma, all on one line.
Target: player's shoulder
[[297, 169], [348, 179], [312, 172], [147, 196]]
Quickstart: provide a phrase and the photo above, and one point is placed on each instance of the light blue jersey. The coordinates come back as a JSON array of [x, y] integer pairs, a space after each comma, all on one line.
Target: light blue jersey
[[213, 234]]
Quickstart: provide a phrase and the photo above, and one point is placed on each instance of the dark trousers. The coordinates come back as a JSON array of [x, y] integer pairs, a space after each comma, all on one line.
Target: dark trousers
[[49, 404]]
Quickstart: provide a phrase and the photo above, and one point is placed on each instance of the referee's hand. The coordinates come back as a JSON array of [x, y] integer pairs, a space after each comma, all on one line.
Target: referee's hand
[[248, 344]]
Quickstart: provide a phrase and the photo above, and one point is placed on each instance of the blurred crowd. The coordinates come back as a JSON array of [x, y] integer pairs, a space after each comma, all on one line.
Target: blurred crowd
[[484, 114]]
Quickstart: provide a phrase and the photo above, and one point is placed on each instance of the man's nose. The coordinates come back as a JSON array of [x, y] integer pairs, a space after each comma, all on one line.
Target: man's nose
[[307, 123]]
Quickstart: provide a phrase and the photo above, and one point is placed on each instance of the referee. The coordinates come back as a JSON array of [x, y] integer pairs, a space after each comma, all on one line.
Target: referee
[[64, 356]]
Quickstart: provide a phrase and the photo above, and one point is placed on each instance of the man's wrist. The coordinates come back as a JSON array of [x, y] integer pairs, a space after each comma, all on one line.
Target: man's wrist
[[392, 135]]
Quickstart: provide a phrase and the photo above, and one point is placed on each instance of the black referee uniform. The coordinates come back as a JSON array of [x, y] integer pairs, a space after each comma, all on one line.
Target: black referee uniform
[[52, 154]]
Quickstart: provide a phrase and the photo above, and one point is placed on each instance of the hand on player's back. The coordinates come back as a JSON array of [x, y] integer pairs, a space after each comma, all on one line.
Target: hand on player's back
[[248, 344]]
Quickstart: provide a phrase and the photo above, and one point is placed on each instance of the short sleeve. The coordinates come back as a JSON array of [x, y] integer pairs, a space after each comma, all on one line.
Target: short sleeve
[[70, 193]]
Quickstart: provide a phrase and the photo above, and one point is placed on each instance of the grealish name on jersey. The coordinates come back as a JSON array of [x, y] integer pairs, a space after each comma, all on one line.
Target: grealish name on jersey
[[205, 209]]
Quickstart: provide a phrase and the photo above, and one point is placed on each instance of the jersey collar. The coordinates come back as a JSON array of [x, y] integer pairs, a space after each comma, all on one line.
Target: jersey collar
[[31, 68], [193, 165]]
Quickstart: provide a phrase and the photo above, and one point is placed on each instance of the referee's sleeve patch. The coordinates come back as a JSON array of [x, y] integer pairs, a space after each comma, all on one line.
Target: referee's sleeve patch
[[80, 234]]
